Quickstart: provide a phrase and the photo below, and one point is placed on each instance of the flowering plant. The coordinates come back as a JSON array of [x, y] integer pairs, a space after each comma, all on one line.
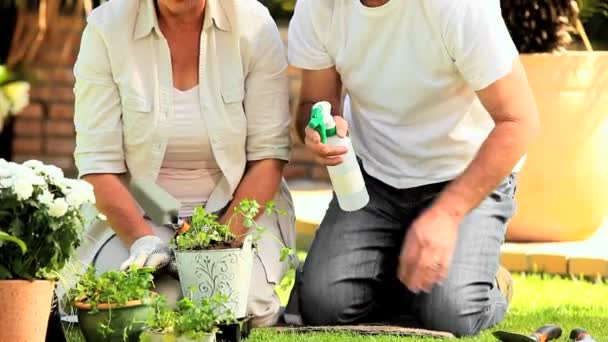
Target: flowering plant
[[14, 94], [40, 219]]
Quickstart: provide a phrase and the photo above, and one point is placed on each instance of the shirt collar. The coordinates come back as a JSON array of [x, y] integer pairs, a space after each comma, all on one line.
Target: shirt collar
[[146, 21]]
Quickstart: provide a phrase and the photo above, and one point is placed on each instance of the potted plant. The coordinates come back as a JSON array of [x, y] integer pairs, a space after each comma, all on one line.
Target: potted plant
[[40, 228], [113, 305], [568, 203], [14, 96], [192, 321], [211, 259]]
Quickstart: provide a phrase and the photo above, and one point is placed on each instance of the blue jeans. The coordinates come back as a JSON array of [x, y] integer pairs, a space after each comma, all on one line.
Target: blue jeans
[[350, 273]]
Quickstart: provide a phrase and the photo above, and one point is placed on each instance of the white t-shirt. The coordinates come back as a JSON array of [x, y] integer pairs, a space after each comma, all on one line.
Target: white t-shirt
[[410, 69]]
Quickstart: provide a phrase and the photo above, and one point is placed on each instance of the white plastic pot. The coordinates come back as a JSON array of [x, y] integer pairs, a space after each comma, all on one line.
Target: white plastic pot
[[223, 271], [156, 337]]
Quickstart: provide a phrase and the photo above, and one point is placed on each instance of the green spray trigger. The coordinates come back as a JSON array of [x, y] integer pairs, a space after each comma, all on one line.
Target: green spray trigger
[[318, 121]]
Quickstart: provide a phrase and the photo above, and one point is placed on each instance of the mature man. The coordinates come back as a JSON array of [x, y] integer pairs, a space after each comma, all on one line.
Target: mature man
[[440, 114]]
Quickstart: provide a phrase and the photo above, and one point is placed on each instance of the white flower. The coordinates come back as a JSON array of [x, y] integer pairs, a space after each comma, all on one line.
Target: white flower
[[46, 198], [53, 172], [58, 208], [6, 183], [4, 172], [23, 189], [83, 190], [17, 169], [34, 164], [33, 179], [18, 94], [76, 198]]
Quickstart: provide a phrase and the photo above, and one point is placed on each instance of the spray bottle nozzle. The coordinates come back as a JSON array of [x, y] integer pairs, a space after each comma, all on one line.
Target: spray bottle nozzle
[[317, 123], [322, 121]]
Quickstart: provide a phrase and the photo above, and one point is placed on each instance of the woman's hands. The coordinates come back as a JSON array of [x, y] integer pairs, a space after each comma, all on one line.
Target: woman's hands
[[147, 251]]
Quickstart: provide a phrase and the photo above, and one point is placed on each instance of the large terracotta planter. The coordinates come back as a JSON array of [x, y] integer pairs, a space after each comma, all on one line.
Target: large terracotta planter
[[223, 271], [25, 307], [563, 189]]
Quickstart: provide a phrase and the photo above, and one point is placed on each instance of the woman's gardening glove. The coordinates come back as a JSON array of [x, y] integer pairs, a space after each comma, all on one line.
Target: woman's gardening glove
[[148, 251]]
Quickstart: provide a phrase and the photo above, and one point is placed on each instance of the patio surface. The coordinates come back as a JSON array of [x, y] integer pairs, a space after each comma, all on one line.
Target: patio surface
[[585, 258]]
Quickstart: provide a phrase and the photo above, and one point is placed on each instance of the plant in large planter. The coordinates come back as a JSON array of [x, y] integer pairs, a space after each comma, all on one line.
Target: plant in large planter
[[212, 260], [113, 305], [40, 228], [14, 94], [192, 321]]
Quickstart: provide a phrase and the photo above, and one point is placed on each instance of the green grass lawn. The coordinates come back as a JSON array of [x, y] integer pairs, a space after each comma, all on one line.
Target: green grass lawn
[[537, 301]]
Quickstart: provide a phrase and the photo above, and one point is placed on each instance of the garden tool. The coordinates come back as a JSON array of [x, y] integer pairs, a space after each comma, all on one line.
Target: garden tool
[[580, 335], [543, 334], [159, 206]]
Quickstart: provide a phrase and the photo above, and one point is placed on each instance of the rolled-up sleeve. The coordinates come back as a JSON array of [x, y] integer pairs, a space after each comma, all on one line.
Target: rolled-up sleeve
[[97, 112], [267, 97]]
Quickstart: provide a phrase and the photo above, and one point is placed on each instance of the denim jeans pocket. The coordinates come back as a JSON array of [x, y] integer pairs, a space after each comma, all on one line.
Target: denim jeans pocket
[[506, 189]]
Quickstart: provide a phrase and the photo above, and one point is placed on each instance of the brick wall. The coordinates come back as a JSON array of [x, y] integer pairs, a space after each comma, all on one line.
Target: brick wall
[[45, 129]]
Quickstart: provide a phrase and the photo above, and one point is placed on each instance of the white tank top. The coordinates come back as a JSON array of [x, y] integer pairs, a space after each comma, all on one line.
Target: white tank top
[[189, 171]]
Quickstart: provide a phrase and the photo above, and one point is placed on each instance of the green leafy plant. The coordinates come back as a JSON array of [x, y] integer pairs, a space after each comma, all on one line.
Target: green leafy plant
[[163, 320], [40, 212], [589, 8], [7, 237], [113, 287], [14, 94], [191, 319], [206, 232], [197, 319]]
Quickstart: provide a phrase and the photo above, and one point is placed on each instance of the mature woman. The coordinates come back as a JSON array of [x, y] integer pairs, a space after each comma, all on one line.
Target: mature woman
[[192, 95]]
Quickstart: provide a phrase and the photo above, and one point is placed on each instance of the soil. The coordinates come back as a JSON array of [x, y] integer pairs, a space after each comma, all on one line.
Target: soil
[[221, 245], [367, 330]]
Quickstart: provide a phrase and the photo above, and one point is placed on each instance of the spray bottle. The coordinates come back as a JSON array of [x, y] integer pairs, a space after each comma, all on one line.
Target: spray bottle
[[346, 177]]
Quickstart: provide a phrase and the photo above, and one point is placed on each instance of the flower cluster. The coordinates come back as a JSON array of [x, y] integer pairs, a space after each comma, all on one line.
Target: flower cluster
[[40, 207], [45, 185], [14, 95]]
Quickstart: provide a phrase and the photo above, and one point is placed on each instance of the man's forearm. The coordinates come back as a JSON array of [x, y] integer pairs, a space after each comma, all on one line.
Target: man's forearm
[[498, 155], [116, 203], [303, 118], [261, 183]]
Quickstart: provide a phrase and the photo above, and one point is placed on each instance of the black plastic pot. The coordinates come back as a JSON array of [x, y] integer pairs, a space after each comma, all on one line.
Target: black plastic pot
[[235, 332], [6, 138]]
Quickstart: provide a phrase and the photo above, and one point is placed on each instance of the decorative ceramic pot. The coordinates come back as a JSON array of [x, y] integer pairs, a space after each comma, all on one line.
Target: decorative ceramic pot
[[222, 271], [129, 317]]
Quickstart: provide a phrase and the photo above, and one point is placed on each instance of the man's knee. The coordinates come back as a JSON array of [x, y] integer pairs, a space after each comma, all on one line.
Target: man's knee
[[464, 311], [326, 303]]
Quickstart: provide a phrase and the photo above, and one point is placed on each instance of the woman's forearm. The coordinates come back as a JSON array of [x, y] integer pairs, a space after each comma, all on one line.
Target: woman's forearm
[[115, 201], [261, 183]]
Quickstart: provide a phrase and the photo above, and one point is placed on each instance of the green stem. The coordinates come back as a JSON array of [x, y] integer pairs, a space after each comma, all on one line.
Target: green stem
[[7, 237]]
